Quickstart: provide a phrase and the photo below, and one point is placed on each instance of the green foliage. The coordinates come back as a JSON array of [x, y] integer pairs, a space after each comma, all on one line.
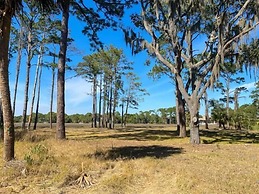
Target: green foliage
[[218, 112], [249, 56], [255, 98], [244, 117], [37, 155]]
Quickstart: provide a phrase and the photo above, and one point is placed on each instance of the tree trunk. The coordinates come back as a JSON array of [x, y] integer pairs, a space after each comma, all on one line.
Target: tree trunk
[[27, 82], [60, 128], [94, 119], [194, 125], [52, 95], [36, 79], [227, 103], [18, 67], [104, 117], [100, 103], [180, 113], [38, 101], [122, 113], [110, 107], [5, 26], [127, 107], [1, 120], [115, 96], [236, 105], [206, 111], [113, 111], [126, 113], [182, 119]]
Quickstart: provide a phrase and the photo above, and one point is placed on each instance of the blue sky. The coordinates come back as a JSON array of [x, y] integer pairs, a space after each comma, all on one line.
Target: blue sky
[[78, 99]]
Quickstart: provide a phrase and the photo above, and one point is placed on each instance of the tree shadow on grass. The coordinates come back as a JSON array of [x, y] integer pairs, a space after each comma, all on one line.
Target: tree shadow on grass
[[229, 136], [147, 135], [138, 135], [135, 152]]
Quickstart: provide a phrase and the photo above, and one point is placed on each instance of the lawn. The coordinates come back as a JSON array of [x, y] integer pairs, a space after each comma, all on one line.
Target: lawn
[[137, 159]]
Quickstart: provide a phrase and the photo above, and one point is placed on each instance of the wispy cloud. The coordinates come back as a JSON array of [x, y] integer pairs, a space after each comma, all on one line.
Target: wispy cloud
[[162, 93], [248, 86], [77, 96], [159, 84]]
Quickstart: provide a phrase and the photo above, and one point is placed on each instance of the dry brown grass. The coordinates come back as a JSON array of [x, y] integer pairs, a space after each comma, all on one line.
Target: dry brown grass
[[139, 159]]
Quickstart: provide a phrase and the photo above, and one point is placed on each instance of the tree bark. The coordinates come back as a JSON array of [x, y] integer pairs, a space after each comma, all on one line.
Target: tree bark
[[206, 110], [227, 103], [194, 125], [5, 27], [36, 79], [27, 82], [110, 106], [52, 96], [115, 95], [60, 128], [94, 119], [38, 101], [193, 106], [18, 67], [180, 113], [104, 117], [122, 114], [100, 103], [1, 120]]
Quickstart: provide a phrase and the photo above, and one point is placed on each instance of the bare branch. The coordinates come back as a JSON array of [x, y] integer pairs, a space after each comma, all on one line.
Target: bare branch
[[240, 35], [241, 11]]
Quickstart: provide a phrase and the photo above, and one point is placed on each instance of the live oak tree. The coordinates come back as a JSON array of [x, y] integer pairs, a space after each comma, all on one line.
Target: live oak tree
[[156, 72], [249, 57], [192, 28]]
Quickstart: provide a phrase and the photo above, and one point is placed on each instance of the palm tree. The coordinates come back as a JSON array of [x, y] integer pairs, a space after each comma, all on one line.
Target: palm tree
[[7, 11]]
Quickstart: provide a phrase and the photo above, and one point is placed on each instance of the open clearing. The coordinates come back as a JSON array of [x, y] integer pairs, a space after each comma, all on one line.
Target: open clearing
[[138, 159]]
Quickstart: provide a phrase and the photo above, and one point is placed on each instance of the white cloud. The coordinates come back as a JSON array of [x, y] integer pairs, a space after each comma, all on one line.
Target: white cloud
[[77, 96], [77, 91], [160, 84], [248, 86]]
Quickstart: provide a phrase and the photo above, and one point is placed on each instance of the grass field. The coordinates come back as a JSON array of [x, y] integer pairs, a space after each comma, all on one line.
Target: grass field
[[137, 159]]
